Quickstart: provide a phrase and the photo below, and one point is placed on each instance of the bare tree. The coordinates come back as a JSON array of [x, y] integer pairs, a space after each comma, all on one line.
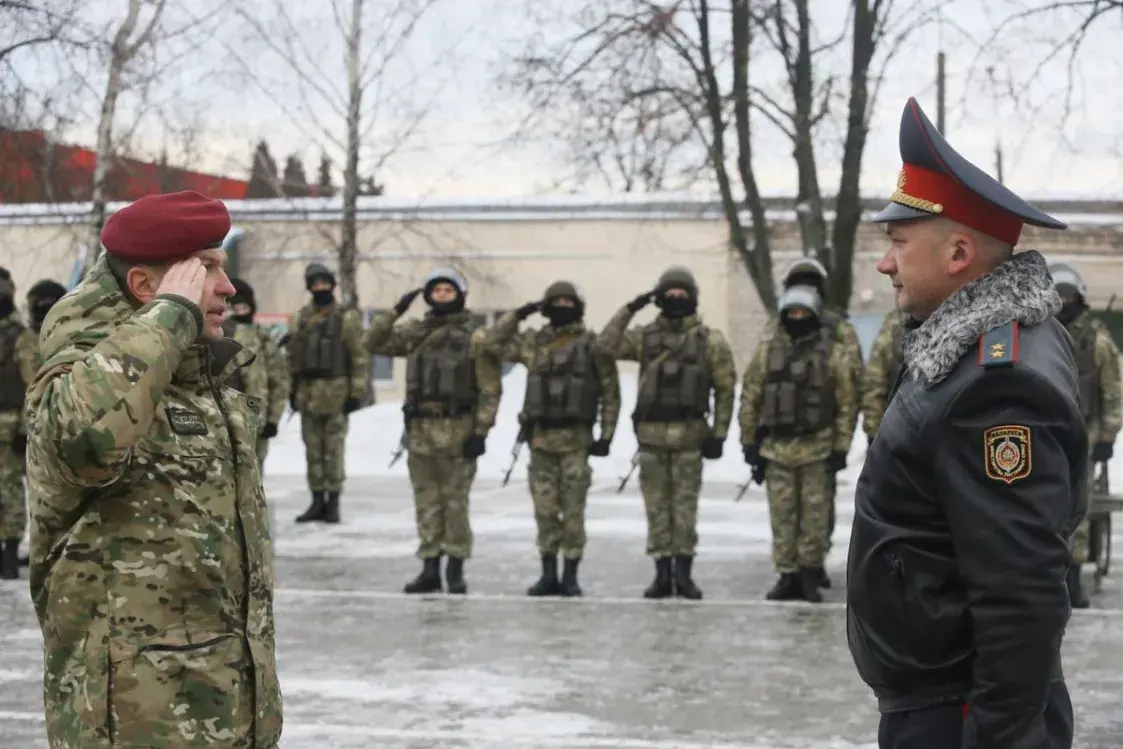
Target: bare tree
[[29, 23], [686, 65], [374, 37]]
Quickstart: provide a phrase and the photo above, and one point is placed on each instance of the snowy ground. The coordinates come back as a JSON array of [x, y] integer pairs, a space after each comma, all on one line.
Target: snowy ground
[[364, 666]]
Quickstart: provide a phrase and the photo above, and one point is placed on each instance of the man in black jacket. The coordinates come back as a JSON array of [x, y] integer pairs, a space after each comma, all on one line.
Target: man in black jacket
[[972, 487]]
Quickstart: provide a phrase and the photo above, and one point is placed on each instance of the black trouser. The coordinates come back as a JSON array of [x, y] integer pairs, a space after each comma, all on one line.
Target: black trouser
[[941, 727]]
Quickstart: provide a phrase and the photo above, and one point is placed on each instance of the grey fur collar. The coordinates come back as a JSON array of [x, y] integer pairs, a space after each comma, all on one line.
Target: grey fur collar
[[1019, 289]]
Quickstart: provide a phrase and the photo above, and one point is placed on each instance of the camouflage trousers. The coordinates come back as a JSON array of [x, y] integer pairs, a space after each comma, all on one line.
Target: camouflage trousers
[[671, 481], [13, 503], [799, 504], [325, 438], [559, 484], [262, 451], [832, 491], [441, 485], [1080, 535]]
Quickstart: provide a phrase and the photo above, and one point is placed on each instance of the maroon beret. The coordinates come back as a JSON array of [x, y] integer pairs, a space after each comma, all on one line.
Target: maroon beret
[[166, 228]]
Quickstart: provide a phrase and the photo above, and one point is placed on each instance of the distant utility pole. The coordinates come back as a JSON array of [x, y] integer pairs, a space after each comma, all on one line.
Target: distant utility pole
[[998, 160], [941, 90]]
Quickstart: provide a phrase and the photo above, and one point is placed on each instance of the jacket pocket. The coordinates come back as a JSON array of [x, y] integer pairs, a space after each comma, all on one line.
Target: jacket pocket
[[179, 694]]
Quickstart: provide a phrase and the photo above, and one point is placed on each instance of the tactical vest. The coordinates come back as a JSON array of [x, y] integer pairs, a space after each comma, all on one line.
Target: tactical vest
[[799, 397], [12, 387], [1088, 376], [675, 378], [441, 374], [236, 380], [323, 354], [562, 387]]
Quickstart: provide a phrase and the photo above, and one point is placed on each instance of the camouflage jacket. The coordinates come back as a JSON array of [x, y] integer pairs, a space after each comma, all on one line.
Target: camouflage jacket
[[1105, 358], [151, 560], [886, 360], [440, 436], [626, 344], [505, 342], [852, 352], [798, 451], [26, 354], [326, 397], [264, 377]]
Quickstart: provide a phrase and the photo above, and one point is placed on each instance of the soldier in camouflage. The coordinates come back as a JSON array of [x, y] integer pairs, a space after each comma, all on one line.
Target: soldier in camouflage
[[264, 378], [570, 382], [329, 373], [16, 361], [151, 561], [453, 387], [1097, 364], [681, 362], [797, 420], [882, 371], [808, 271]]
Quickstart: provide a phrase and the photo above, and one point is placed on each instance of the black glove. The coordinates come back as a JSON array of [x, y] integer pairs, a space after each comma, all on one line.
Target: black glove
[[759, 468], [712, 448], [269, 431], [292, 398], [836, 462], [351, 404], [1102, 452], [752, 454], [19, 444], [599, 448], [529, 309], [641, 301], [406, 300], [474, 447]]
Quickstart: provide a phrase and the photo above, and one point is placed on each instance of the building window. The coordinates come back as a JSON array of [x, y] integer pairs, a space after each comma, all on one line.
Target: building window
[[381, 367]]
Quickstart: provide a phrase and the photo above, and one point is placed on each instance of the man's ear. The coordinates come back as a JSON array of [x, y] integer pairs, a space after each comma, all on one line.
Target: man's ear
[[962, 250], [143, 281]]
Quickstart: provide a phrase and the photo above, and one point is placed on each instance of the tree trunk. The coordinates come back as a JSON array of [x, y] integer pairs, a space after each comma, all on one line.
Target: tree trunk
[[809, 200], [348, 246]]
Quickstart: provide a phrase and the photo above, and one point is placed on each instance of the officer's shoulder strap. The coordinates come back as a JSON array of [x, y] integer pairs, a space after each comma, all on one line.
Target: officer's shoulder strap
[[998, 347]]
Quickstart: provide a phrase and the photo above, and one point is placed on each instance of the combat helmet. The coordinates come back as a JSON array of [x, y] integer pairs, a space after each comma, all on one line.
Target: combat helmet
[[677, 277], [806, 271], [1065, 275], [567, 289], [802, 296], [450, 275], [316, 271]]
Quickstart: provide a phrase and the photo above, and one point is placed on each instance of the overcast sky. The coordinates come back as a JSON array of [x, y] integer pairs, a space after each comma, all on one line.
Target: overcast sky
[[461, 149]]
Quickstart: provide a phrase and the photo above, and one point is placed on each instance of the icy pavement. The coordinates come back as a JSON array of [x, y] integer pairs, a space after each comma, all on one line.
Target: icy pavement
[[364, 666]]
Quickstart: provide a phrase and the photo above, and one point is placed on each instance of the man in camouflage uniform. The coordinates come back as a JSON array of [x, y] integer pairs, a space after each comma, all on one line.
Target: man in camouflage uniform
[[329, 377], [1097, 363], [681, 361], [15, 362], [569, 383], [882, 371], [264, 378], [452, 396], [797, 420], [151, 561], [808, 271]]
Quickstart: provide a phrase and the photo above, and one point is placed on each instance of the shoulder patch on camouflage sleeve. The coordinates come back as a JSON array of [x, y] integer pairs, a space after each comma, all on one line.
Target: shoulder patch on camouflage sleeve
[[1008, 451], [186, 422], [998, 347]]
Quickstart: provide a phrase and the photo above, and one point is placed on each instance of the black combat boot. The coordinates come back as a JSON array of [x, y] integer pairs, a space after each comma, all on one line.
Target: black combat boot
[[661, 586], [547, 585], [315, 510], [684, 585], [331, 508], [429, 581], [787, 588], [569, 586], [823, 581], [809, 580], [9, 559], [1075, 590], [454, 576]]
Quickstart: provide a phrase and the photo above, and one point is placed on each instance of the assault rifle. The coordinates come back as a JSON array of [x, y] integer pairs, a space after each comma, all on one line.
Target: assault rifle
[[624, 479], [407, 415], [523, 436]]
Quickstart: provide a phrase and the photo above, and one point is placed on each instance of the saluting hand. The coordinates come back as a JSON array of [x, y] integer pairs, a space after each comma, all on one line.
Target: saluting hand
[[406, 300], [185, 279], [641, 301]]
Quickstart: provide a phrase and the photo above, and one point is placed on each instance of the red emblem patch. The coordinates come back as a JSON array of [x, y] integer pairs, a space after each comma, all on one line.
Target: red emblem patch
[[1008, 451]]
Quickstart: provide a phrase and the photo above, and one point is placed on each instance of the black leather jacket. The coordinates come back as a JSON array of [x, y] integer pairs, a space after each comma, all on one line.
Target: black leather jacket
[[960, 544]]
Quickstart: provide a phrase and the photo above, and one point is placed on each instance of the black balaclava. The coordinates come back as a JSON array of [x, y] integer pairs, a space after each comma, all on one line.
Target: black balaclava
[[7, 293], [1071, 309], [676, 308], [315, 272], [243, 294], [558, 315], [450, 276], [807, 299], [40, 298]]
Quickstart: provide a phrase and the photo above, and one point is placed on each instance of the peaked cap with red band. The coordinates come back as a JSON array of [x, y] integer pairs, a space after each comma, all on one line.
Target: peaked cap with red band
[[936, 181], [166, 228]]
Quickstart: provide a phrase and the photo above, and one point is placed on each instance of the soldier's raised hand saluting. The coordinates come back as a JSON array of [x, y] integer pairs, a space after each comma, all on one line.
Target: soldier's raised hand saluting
[[406, 300]]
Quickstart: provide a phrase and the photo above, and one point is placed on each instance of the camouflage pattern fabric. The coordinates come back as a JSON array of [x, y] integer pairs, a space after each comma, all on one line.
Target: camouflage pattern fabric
[[325, 444], [883, 364], [798, 451], [27, 351], [559, 485], [13, 506], [151, 562], [799, 506], [851, 347], [264, 378], [441, 488], [325, 397], [626, 344], [441, 477], [671, 481], [559, 474]]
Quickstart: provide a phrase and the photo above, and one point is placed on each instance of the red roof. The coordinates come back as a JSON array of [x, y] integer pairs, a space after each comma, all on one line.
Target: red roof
[[32, 170]]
